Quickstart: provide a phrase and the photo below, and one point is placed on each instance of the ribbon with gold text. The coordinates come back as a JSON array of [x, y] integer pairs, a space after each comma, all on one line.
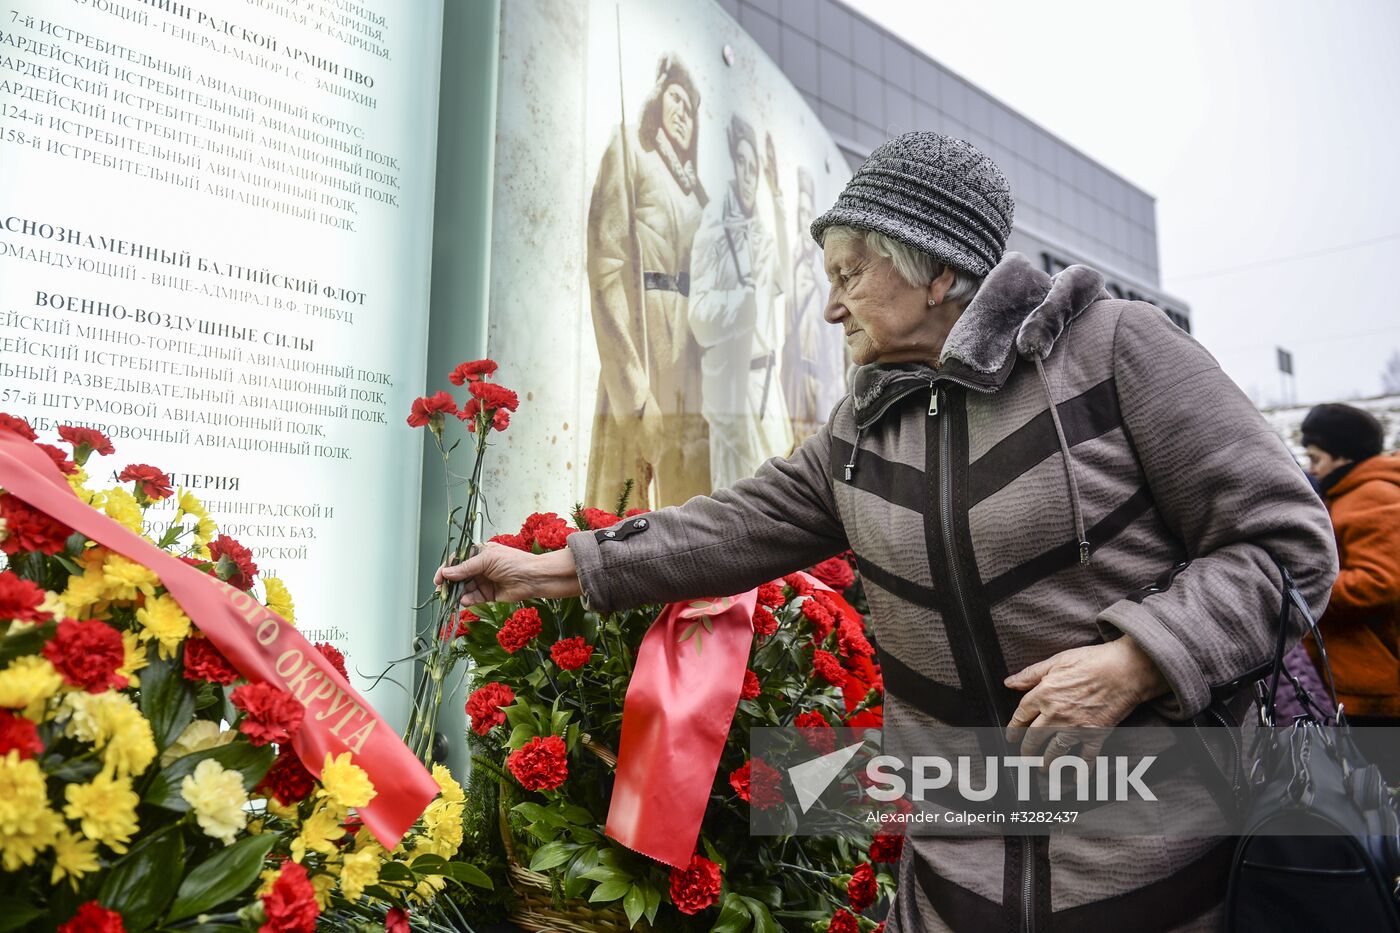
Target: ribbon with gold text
[[260, 644]]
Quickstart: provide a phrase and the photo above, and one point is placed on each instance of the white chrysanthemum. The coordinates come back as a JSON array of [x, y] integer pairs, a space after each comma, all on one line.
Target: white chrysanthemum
[[198, 736], [217, 797]]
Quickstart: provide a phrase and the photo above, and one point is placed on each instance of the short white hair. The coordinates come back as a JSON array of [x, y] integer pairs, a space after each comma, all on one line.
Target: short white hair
[[914, 266]]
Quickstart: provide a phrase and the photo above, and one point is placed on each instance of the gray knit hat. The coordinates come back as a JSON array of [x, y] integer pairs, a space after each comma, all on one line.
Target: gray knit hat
[[934, 193]]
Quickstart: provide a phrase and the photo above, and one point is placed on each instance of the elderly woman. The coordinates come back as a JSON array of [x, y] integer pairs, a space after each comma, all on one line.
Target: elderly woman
[[1020, 456]]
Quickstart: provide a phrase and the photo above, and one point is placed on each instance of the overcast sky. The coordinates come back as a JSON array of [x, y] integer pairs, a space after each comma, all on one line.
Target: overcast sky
[[1269, 132]]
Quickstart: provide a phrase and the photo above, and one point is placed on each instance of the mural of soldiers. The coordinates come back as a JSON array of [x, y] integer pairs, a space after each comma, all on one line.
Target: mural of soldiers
[[737, 314], [646, 204], [814, 358]]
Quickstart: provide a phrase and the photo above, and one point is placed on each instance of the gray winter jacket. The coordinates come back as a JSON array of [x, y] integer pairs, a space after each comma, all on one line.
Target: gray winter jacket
[[993, 531]]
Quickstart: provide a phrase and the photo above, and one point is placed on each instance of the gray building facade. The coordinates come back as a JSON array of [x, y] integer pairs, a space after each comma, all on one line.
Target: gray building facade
[[867, 85]]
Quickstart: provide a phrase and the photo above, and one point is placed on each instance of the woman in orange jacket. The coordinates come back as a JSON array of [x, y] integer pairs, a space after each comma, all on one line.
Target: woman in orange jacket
[[1361, 626]]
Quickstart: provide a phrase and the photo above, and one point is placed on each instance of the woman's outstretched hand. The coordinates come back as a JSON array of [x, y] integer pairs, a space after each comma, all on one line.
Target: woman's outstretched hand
[[497, 573]]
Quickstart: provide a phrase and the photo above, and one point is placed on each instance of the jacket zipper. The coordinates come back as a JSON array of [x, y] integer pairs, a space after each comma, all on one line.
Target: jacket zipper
[[945, 500]]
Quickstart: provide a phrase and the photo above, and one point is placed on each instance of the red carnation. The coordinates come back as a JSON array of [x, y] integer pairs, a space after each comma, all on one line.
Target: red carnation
[[332, 654], [835, 573], [476, 369], [150, 482], [758, 783], [204, 662], [28, 529], [631, 512], [696, 886], [828, 667], [85, 442], [522, 626], [20, 599], [493, 396], [751, 688], [541, 764], [593, 519], [233, 562], [18, 734], [771, 595], [861, 890], [821, 618], [287, 779], [92, 917], [798, 584], [396, 921], [843, 922], [461, 627], [430, 409], [88, 655], [59, 458], [484, 706], [17, 425], [571, 653], [879, 927], [500, 420], [203, 566], [816, 731], [516, 541], [545, 529], [764, 622], [274, 715], [886, 848], [852, 640], [291, 904]]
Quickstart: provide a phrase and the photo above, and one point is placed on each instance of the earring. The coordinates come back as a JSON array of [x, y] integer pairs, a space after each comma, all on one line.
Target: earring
[[932, 302]]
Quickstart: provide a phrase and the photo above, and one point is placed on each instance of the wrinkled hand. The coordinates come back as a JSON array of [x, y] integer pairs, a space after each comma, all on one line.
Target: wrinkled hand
[[1092, 688], [499, 574]]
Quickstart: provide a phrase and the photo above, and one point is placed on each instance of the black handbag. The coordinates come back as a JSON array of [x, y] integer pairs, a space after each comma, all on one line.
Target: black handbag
[[1320, 844]]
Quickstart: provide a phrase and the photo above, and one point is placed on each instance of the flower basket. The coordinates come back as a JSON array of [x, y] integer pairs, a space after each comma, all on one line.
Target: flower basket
[[536, 910]]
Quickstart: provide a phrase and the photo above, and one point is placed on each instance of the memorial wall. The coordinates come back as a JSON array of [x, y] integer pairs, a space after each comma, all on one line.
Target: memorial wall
[[215, 223], [655, 295]]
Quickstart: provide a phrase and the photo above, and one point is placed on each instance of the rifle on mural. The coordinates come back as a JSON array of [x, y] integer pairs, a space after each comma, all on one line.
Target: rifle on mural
[[633, 244]]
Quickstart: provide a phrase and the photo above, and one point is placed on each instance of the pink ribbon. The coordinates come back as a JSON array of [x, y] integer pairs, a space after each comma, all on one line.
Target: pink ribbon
[[260, 644], [677, 715]]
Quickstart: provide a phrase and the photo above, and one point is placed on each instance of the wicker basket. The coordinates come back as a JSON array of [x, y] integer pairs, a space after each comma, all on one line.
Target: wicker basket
[[536, 911]]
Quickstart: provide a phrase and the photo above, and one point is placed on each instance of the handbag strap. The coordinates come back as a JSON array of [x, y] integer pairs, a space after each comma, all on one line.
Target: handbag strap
[[1293, 600]]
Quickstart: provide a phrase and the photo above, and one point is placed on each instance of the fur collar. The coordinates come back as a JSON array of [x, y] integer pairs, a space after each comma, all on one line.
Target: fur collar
[[1019, 310]]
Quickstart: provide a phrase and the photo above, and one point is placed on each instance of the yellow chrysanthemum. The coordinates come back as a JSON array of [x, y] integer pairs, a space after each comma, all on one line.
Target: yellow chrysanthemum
[[442, 822], [279, 599], [105, 809], [322, 885], [53, 604], [112, 723], [216, 796], [345, 783], [78, 482], [266, 879], [187, 503], [134, 658], [359, 871], [74, 857], [86, 593], [27, 825], [121, 506], [164, 620], [319, 833], [428, 889], [196, 737], [125, 578], [27, 684]]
